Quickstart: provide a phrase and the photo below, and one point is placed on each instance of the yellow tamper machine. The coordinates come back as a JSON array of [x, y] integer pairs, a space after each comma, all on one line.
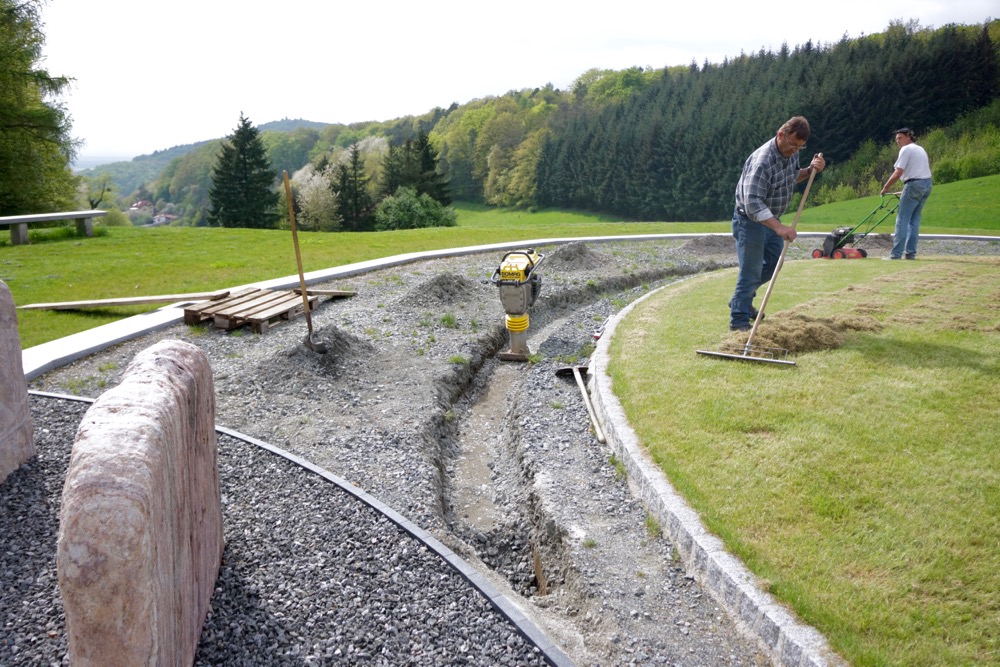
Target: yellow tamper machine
[[519, 282]]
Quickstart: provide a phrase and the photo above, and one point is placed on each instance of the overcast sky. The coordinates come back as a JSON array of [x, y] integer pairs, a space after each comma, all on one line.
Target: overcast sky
[[153, 75]]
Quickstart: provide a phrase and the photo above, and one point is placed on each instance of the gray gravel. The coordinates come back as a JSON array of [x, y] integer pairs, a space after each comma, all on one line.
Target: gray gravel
[[310, 575], [494, 459]]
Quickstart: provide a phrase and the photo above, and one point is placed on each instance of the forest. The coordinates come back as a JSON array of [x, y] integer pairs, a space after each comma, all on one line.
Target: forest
[[643, 144]]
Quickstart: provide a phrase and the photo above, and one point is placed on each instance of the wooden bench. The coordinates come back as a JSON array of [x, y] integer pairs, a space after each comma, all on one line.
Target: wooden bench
[[19, 223]]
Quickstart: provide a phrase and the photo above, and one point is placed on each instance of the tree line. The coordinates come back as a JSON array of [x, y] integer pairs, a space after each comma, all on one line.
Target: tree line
[[669, 144], [640, 143], [675, 149]]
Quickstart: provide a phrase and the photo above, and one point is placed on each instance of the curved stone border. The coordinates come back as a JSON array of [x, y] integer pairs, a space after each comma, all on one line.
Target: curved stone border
[[502, 604], [789, 642]]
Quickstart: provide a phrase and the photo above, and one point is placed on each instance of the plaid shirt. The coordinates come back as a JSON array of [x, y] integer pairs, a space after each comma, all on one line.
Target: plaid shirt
[[767, 182]]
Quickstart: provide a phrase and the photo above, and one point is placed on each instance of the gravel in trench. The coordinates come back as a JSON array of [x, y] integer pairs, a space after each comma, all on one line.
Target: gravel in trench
[[495, 459]]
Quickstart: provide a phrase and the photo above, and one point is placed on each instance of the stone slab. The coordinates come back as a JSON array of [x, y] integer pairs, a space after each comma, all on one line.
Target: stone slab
[[17, 436], [140, 535]]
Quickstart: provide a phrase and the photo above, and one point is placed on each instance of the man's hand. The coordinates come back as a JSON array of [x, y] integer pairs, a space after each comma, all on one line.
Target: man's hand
[[818, 162], [784, 231]]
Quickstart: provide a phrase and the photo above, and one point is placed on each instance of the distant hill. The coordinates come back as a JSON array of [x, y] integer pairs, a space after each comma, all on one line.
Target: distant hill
[[287, 125], [130, 174]]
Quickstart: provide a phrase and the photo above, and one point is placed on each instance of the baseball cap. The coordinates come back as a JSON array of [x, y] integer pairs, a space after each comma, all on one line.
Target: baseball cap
[[903, 130]]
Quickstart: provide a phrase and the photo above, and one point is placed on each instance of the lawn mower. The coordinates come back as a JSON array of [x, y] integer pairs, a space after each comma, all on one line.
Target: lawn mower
[[842, 242]]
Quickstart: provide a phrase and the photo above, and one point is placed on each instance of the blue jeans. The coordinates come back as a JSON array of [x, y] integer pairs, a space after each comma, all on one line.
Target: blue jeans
[[758, 249], [911, 204]]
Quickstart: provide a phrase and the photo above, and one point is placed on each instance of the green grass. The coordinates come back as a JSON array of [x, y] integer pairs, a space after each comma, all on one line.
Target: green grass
[[964, 207], [125, 261], [863, 484]]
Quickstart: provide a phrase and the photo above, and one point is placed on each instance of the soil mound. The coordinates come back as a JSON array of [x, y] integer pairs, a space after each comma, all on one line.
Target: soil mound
[[709, 245], [575, 256], [444, 288], [339, 345]]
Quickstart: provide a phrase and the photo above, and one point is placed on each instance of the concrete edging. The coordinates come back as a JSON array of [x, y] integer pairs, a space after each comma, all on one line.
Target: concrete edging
[[788, 641]]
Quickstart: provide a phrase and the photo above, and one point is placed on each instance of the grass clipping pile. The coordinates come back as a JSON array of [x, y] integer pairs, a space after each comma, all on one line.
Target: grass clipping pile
[[799, 333]]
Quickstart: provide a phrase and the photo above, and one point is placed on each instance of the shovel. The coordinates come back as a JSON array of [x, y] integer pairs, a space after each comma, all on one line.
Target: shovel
[[578, 372], [310, 342]]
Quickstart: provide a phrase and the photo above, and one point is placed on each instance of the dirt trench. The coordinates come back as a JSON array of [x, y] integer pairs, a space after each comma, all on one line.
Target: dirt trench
[[531, 497]]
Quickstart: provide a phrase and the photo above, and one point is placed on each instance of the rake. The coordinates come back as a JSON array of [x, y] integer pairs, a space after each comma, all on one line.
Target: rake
[[748, 351]]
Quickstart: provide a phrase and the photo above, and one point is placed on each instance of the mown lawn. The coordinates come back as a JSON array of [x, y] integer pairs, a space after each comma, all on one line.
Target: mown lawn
[[863, 484]]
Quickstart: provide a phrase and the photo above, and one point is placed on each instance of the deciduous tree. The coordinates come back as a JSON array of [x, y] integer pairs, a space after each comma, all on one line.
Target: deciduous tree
[[35, 143]]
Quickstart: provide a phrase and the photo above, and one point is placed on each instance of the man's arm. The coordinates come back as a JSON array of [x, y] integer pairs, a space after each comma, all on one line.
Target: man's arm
[[896, 174]]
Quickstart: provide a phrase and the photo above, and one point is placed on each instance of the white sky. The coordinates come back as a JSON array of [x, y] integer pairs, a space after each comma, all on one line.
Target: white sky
[[153, 75]]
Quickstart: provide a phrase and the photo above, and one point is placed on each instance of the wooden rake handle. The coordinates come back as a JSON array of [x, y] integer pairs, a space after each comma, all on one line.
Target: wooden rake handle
[[781, 260]]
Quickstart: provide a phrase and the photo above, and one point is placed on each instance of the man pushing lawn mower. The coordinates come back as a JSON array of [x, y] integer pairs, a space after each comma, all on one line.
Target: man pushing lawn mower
[[913, 167], [762, 194]]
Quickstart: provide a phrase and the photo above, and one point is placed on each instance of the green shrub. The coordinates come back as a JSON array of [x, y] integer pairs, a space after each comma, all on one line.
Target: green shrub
[[115, 218], [945, 171], [980, 164], [408, 210]]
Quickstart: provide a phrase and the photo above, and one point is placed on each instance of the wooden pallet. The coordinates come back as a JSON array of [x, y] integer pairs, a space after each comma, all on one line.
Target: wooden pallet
[[256, 307]]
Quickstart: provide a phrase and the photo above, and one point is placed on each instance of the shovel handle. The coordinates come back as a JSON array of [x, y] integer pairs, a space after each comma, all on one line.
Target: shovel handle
[[295, 242], [590, 408]]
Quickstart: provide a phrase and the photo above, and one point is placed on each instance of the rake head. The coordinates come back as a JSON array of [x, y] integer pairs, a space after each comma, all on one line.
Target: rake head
[[747, 352]]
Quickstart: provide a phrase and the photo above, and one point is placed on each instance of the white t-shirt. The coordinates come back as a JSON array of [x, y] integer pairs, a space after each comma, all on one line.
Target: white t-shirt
[[913, 161]]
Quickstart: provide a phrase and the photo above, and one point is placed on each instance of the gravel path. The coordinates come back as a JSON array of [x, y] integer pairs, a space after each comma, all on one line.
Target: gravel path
[[310, 576], [495, 459]]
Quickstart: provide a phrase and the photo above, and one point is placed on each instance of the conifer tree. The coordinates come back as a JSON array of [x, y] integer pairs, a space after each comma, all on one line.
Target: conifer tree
[[354, 203], [242, 182], [429, 180], [414, 164], [392, 172]]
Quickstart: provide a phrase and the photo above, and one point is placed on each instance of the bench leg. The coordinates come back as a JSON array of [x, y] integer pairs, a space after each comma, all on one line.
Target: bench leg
[[19, 234], [85, 226]]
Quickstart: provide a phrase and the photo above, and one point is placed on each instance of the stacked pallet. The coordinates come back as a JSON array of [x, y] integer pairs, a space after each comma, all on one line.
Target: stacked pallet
[[250, 305]]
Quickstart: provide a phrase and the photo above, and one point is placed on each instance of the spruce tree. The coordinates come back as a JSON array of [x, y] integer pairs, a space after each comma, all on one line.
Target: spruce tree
[[392, 172], [242, 181], [354, 203], [429, 180]]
